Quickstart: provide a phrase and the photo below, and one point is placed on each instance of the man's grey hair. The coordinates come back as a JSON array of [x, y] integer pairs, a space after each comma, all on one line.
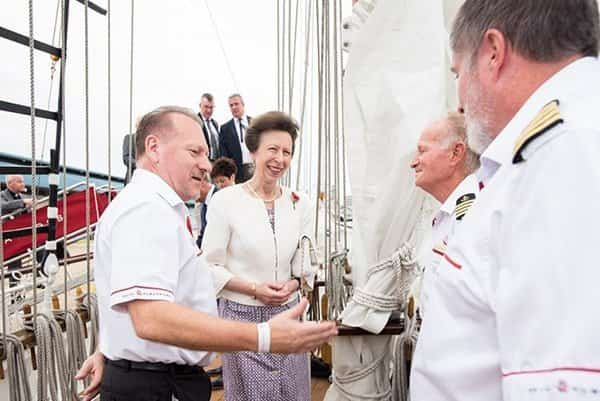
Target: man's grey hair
[[157, 121], [236, 95], [457, 132], [209, 97], [539, 30], [11, 177]]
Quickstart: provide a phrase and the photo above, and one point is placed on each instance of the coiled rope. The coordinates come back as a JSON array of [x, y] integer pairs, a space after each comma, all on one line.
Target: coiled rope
[[18, 383], [51, 361]]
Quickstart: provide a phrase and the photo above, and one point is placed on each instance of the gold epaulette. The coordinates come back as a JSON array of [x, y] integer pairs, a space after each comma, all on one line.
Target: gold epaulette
[[547, 118], [463, 204]]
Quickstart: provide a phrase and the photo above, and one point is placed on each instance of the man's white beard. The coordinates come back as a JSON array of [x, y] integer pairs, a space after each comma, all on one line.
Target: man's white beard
[[478, 138]]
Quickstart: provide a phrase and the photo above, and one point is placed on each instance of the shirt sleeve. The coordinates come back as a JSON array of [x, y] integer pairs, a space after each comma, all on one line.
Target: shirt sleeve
[[10, 206], [144, 258], [215, 244], [547, 287]]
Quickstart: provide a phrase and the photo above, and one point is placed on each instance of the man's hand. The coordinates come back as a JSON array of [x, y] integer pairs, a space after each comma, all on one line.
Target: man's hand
[[290, 335], [93, 366], [27, 202]]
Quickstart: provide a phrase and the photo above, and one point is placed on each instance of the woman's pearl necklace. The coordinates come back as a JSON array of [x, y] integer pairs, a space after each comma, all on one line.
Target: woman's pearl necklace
[[260, 197]]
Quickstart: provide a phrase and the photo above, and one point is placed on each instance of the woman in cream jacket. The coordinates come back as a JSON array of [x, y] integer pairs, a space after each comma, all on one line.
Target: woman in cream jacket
[[252, 234]]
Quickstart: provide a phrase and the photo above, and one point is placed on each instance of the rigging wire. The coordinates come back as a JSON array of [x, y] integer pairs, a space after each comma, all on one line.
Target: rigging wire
[[304, 89], [109, 101], [87, 151], [33, 159], [131, 138], [343, 134], [278, 66], [52, 70], [64, 149], [222, 46]]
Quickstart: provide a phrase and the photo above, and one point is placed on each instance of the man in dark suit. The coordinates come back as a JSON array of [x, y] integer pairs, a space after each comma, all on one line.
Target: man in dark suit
[[231, 139], [207, 190], [210, 127], [10, 198]]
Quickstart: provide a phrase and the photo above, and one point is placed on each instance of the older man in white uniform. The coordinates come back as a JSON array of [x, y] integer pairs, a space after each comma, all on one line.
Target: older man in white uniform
[[516, 301], [156, 297], [443, 166]]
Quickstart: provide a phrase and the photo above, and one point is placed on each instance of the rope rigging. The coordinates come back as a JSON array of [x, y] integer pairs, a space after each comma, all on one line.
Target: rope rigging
[[131, 137]]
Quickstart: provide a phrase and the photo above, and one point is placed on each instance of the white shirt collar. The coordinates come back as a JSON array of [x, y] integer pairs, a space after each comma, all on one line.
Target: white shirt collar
[[466, 186], [244, 119], [153, 181], [501, 149]]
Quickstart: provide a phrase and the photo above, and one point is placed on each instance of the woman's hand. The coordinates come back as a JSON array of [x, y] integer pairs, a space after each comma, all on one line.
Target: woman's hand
[[271, 293], [292, 285]]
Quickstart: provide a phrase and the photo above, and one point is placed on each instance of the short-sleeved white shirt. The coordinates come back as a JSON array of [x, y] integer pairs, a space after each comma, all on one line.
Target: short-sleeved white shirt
[[442, 227], [517, 300], [144, 251]]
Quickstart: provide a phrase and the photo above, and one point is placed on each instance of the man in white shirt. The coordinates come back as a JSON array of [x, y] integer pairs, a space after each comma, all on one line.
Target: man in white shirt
[[210, 127], [232, 139], [516, 299], [443, 166], [155, 294]]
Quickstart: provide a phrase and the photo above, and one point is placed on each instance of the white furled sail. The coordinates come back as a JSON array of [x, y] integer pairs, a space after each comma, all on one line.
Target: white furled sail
[[394, 85]]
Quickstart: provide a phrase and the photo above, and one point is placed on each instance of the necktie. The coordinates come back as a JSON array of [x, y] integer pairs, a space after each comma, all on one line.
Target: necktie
[[188, 224], [481, 185], [212, 139], [241, 131]]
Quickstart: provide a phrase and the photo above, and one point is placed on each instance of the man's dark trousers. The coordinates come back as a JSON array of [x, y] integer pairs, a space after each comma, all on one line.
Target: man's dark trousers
[[126, 381]]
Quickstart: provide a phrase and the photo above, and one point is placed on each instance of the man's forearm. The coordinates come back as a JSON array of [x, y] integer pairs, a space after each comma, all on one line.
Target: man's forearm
[[174, 324], [12, 205]]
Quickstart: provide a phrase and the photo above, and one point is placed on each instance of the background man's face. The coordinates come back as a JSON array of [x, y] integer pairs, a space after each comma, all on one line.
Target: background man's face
[[432, 162], [16, 185], [206, 108], [236, 106]]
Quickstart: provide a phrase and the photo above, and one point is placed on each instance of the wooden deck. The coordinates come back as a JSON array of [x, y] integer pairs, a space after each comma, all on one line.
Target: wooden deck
[[318, 387]]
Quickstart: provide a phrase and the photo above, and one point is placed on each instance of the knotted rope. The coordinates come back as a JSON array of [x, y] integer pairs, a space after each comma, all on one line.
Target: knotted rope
[[336, 290], [404, 265]]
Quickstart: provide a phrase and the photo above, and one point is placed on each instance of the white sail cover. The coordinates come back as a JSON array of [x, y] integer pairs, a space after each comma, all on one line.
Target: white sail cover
[[395, 84]]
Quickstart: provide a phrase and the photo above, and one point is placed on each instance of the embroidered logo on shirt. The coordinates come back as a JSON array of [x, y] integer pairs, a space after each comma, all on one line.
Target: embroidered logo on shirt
[[546, 119], [463, 204]]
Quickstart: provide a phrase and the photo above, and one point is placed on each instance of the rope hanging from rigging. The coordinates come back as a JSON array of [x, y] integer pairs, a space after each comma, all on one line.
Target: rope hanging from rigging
[[18, 374]]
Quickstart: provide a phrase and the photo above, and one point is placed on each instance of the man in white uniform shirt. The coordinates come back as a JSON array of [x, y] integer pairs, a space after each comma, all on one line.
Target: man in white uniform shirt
[[156, 297], [516, 299], [443, 166]]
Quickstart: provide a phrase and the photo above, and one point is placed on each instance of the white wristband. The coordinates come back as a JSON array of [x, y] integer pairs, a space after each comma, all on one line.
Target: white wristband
[[264, 337]]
